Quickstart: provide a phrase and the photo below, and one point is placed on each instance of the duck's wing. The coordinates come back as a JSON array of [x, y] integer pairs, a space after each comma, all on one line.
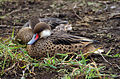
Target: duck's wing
[[68, 39]]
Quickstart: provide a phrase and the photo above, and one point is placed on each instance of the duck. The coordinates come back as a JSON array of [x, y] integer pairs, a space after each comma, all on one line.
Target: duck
[[53, 22], [52, 42], [25, 34]]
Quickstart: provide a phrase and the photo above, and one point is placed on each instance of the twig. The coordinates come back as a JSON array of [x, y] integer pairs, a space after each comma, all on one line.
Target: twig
[[74, 70], [3, 26], [10, 67], [7, 26], [14, 11], [97, 69], [117, 66], [108, 61], [106, 7], [5, 34], [75, 12], [105, 59]]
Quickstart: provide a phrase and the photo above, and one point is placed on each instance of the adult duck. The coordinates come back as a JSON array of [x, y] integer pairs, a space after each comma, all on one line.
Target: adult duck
[[45, 41], [25, 34]]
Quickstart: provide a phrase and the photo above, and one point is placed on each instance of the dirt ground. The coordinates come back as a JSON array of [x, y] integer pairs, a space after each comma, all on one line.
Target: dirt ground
[[96, 19]]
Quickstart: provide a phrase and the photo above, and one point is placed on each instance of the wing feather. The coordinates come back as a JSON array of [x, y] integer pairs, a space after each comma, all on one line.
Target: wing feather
[[68, 39]]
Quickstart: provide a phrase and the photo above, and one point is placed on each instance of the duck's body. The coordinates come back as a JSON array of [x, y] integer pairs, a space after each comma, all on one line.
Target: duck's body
[[56, 41], [60, 42]]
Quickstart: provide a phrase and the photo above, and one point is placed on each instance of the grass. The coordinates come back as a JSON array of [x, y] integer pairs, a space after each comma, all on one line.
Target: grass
[[14, 55]]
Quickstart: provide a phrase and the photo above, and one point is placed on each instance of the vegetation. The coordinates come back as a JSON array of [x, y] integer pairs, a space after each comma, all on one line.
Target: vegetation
[[14, 58], [14, 55]]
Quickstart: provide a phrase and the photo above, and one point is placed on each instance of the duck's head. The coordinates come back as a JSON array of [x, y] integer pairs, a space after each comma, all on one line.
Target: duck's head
[[41, 30]]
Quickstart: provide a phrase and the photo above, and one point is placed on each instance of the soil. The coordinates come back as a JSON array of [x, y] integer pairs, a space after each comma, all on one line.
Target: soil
[[97, 19]]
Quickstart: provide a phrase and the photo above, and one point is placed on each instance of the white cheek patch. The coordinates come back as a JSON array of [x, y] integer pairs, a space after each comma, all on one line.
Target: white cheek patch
[[45, 33]]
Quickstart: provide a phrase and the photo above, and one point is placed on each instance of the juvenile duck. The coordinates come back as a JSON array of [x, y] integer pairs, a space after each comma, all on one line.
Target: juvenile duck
[[57, 42]]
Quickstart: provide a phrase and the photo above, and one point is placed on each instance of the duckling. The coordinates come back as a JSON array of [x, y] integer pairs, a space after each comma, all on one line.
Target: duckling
[[57, 42]]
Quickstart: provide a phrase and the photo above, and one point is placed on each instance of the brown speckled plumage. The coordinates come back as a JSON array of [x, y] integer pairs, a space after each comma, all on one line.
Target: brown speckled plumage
[[58, 42]]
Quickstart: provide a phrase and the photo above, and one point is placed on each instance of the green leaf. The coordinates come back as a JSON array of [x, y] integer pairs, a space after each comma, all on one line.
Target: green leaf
[[52, 66], [10, 54]]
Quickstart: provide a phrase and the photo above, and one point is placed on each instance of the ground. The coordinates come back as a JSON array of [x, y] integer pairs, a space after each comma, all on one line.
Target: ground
[[96, 19]]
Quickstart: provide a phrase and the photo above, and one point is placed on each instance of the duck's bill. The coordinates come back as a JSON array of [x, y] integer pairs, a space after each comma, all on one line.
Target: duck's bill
[[34, 39]]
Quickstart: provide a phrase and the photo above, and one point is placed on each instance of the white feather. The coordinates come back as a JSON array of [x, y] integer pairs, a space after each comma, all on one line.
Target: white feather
[[45, 33]]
